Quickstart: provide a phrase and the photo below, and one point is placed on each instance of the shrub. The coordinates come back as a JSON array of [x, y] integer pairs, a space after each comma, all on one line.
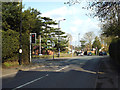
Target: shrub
[[10, 44]]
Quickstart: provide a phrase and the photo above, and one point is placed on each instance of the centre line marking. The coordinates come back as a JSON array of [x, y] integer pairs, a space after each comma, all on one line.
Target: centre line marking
[[30, 82]]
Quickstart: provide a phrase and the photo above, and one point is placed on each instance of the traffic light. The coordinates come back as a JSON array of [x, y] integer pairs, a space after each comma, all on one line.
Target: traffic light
[[33, 38]]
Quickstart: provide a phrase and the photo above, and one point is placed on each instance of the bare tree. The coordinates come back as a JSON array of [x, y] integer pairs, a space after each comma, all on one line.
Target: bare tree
[[88, 37], [69, 36]]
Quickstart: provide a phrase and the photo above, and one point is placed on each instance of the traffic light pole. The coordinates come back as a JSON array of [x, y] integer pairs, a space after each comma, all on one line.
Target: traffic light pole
[[32, 40], [30, 47]]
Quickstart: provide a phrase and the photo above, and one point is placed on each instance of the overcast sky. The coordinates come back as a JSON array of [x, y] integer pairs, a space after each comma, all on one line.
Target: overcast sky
[[76, 19]]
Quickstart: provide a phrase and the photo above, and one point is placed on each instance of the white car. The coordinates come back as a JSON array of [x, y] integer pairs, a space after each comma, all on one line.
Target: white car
[[81, 54]]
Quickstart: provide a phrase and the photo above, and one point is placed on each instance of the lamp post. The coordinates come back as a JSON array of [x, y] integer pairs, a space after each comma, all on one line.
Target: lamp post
[[78, 39], [40, 43], [59, 36]]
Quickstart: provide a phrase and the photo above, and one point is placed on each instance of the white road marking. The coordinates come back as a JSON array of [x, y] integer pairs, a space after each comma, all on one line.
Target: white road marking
[[30, 82], [61, 68]]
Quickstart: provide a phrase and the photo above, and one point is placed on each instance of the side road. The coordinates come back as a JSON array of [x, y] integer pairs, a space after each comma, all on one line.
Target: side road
[[111, 75], [36, 63]]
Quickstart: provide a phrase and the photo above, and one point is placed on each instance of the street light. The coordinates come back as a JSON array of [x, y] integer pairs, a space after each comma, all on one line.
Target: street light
[[59, 35], [78, 39]]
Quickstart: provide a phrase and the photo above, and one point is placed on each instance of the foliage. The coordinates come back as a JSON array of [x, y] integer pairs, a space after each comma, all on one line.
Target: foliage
[[88, 37], [10, 44], [11, 16], [32, 22], [109, 14], [106, 41], [96, 43], [25, 47], [82, 43]]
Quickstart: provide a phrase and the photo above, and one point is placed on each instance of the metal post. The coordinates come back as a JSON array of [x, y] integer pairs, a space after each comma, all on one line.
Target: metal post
[[53, 53], [30, 47], [72, 50], [59, 36]]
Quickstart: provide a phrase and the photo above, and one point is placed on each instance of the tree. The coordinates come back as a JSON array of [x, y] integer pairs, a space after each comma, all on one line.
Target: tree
[[82, 43], [31, 21], [106, 41], [88, 37], [109, 14], [10, 44], [96, 44], [11, 16], [69, 38]]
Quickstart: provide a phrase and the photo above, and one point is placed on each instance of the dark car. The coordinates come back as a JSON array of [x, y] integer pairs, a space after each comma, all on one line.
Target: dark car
[[104, 53], [89, 54], [101, 54]]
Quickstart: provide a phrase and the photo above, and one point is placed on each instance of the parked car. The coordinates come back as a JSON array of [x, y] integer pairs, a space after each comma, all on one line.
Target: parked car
[[101, 54], [89, 54], [104, 53], [80, 53]]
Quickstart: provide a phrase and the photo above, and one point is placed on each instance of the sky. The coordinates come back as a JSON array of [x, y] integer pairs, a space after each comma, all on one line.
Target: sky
[[76, 19]]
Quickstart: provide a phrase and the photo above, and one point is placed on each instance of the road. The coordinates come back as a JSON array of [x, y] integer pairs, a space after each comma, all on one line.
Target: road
[[73, 73]]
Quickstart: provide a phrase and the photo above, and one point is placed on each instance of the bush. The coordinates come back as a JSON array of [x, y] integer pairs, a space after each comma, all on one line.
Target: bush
[[10, 44], [114, 50], [25, 48]]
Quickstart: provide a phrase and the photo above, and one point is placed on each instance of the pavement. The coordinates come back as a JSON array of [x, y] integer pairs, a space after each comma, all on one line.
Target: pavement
[[110, 77], [36, 63]]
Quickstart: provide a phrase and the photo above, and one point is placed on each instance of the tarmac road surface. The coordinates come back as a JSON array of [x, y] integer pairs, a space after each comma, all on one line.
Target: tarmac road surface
[[74, 73]]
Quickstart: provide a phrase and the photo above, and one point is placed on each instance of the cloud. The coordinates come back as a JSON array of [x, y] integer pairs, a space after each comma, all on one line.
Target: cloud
[[60, 13], [76, 21], [56, 13]]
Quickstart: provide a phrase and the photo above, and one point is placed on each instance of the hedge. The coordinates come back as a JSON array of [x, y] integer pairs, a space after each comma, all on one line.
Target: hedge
[[10, 46], [114, 51]]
